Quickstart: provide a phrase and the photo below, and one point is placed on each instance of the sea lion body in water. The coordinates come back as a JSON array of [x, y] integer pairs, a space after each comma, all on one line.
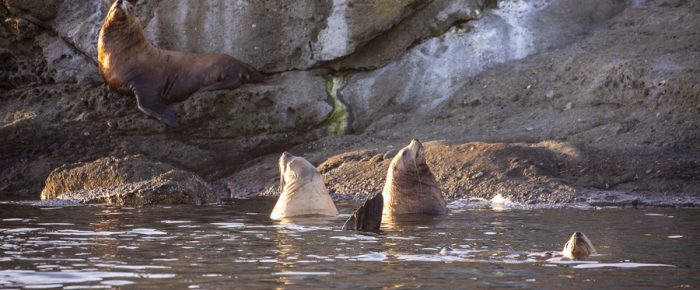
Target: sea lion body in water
[[578, 247], [303, 190], [410, 186], [130, 64]]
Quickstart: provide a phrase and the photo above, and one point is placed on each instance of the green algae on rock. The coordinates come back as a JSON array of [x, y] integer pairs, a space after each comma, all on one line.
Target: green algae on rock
[[338, 122]]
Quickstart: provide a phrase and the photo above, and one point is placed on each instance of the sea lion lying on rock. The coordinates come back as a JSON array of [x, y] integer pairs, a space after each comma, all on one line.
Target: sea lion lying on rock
[[130, 64], [410, 186], [578, 247], [304, 192]]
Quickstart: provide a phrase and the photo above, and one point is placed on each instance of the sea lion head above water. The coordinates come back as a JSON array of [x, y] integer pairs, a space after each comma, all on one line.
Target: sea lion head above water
[[578, 247], [410, 185], [303, 190], [130, 64]]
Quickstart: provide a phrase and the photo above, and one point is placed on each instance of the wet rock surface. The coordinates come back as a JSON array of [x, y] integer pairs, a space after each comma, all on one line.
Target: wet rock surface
[[521, 82]]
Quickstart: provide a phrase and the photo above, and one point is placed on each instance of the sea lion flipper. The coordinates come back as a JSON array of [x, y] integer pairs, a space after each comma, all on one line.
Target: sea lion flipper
[[151, 104], [368, 217]]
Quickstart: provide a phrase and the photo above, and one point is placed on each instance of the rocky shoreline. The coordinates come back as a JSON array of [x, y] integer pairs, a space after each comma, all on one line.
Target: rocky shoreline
[[601, 108]]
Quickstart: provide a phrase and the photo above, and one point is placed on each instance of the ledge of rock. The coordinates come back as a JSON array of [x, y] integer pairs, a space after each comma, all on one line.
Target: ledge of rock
[[133, 180]]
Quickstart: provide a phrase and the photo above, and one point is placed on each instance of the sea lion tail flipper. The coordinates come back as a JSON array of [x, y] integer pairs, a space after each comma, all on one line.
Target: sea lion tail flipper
[[151, 104], [368, 217]]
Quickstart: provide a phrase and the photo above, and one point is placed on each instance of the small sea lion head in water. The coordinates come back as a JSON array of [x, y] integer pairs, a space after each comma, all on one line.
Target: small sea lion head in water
[[303, 190], [130, 64], [410, 185], [578, 247]]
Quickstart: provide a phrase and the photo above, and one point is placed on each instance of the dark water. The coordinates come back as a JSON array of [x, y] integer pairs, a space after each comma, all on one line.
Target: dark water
[[238, 246]]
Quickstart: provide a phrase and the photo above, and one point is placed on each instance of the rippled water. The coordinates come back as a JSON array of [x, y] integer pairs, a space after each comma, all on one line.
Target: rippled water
[[237, 246]]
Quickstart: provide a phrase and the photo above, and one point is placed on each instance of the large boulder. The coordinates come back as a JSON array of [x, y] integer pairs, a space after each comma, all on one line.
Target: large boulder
[[132, 180]]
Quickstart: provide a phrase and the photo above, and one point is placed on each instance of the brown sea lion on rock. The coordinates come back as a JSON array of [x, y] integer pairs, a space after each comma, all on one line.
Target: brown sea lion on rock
[[130, 64], [578, 247], [410, 186]]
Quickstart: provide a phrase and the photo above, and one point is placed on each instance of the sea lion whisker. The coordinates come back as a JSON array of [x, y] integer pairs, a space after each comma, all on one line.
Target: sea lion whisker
[[420, 183]]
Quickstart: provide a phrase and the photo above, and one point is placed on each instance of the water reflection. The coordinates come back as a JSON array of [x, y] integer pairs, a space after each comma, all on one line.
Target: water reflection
[[237, 244]]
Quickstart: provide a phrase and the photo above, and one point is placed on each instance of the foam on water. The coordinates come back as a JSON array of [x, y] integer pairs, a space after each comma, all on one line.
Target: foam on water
[[130, 267], [83, 233], [28, 278], [174, 222], [618, 265], [429, 258], [146, 231], [355, 238], [230, 226], [371, 257], [19, 230], [296, 273], [303, 228], [498, 202], [117, 282]]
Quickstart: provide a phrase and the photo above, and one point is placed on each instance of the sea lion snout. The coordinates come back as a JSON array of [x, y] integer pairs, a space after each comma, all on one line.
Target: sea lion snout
[[414, 149], [127, 6]]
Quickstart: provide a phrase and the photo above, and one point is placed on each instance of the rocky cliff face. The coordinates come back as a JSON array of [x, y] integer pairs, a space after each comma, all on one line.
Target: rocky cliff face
[[603, 76]]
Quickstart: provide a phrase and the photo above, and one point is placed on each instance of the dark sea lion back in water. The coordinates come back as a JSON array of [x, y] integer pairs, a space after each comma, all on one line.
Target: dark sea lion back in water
[[410, 185], [130, 64]]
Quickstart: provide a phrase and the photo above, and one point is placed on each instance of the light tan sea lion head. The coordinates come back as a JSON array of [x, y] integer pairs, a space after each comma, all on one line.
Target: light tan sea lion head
[[578, 247], [410, 185], [303, 190]]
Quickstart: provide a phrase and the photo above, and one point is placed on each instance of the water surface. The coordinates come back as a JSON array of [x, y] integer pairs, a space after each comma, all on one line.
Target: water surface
[[237, 245]]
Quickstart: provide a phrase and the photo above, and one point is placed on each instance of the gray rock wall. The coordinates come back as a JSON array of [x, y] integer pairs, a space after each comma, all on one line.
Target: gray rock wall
[[403, 56]]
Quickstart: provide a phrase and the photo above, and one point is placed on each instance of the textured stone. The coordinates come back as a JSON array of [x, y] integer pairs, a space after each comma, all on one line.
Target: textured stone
[[132, 180], [41, 9], [431, 72]]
